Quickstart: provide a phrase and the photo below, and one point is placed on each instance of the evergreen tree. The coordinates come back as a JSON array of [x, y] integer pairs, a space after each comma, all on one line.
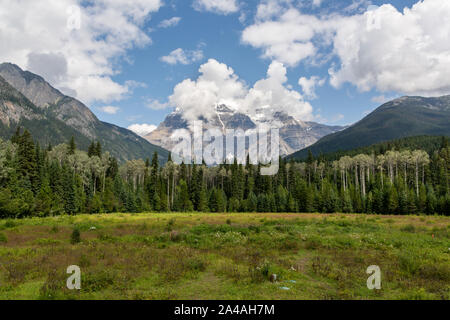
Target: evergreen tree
[[184, 203], [71, 146], [91, 150]]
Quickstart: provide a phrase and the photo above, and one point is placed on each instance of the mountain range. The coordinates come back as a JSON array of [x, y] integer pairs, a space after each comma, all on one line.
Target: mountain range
[[294, 134], [399, 118], [28, 101]]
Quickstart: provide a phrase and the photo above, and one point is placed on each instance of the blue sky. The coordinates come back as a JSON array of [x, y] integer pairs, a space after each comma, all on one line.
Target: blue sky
[[113, 61], [219, 37]]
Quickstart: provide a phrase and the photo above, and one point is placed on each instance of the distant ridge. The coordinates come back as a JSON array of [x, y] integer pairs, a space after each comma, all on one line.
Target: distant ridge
[[399, 118]]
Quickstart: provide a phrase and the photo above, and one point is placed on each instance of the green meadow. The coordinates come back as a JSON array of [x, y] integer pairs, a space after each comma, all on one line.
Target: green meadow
[[225, 256]]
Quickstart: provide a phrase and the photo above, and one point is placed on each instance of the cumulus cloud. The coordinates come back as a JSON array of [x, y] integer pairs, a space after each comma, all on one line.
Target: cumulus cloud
[[110, 109], [271, 8], [142, 129], [74, 44], [218, 84], [217, 6], [132, 84], [156, 104], [309, 86], [172, 22], [381, 48], [407, 52], [180, 56], [288, 38]]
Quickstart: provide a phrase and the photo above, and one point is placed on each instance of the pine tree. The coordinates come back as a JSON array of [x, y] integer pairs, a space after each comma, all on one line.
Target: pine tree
[[98, 149], [91, 149], [203, 201], [291, 205], [27, 159], [17, 135], [69, 192], [392, 204], [71, 146], [184, 204]]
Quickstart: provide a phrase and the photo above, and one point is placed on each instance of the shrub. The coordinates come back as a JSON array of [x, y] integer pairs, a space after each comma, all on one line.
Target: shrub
[[260, 273], [99, 280], [409, 228], [54, 229], [409, 262], [289, 244], [170, 225], [105, 237], [196, 264], [321, 266], [3, 238], [176, 236], [10, 224], [54, 283], [75, 237]]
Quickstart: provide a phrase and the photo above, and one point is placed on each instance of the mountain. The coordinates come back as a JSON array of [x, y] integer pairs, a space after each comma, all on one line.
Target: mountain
[[28, 101], [399, 118], [294, 134]]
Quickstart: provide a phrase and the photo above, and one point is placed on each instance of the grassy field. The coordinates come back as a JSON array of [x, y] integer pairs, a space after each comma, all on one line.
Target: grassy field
[[225, 256]]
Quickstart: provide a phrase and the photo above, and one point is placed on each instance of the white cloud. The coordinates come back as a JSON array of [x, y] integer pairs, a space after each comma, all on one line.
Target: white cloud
[[288, 39], [35, 35], [218, 84], [407, 52], [110, 109], [382, 48], [157, 105], [132, 84], [172, 22], [142, 129], [217, 6], [317, 3], [183, 57], [268, 9], [309, 86]]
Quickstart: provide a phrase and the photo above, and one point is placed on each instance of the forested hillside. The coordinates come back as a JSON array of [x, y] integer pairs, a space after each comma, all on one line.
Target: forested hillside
[[396, 119], [62, 179], [429, 144]]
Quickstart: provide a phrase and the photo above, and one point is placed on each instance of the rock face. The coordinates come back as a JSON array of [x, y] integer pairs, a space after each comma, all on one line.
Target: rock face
[[294, 134], [44, 96], [13, 106], [27, 100]]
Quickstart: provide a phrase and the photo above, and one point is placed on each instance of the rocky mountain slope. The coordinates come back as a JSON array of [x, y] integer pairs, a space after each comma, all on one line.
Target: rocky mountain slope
[[27, 100]]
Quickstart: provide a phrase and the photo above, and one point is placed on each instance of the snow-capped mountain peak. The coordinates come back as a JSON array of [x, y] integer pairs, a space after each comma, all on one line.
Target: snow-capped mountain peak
[[294, 134]]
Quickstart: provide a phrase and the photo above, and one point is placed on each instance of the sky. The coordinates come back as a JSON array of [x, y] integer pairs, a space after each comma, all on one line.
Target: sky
[[133, 62]]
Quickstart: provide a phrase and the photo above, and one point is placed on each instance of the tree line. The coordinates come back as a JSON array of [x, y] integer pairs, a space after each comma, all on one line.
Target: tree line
[[49, 181]]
